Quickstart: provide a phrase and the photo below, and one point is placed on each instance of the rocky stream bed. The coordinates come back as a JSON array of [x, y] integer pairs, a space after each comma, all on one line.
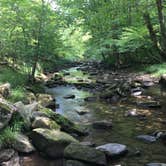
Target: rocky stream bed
[[98, 117]]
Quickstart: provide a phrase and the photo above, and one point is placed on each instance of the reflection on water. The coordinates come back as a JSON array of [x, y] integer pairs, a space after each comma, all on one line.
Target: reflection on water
[[125, 129]]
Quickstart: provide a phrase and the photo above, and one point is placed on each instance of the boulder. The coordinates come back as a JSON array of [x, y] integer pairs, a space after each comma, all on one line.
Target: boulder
[[66, 125], [44, 122], [6, 112], [104, 124], [156, 164], [14, 161], [22, 144], [26, 111], [5, 90], [51, 142], [75, 163], [6, 155], [147, 138], [85, 154], [147, 84], [46, 100], [113, 149], [30, 98]]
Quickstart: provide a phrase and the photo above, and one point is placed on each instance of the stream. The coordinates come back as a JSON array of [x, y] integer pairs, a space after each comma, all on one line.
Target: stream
[[124, 130]]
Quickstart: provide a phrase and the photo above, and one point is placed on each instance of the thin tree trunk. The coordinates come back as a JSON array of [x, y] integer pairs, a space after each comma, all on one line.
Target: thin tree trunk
[[152, 34], [159, 4]]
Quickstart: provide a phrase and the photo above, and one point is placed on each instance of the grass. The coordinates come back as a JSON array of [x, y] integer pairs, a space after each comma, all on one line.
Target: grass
[[156, 69], [17, 81]]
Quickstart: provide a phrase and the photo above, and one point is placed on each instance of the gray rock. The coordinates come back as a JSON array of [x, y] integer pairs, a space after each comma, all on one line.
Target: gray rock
[[113, 149], [22, 144], [147, 138], [6, 155], [26, 111], [14, 161], [44, 122], [75, 163], [155, 164], [85, 154], [5, 90], [147, 84], [6, 112], [104, 124], [51, 142]]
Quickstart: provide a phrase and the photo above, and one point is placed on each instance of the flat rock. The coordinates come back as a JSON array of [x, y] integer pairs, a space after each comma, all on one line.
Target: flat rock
[[6, 155], [22, 144], [104, 124], [147, 84], [85, 154], [113, 149], [51, 142], [147, 138], [149, 104], [156, 164]]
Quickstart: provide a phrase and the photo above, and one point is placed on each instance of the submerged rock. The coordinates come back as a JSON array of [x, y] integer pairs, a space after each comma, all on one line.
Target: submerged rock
[[69, 97], [147, 138], [104, 124], [75, 163], [85, 154], [22, 144], [82, 112], [113, 149], [51, 142], [149, 104], [156, 164]]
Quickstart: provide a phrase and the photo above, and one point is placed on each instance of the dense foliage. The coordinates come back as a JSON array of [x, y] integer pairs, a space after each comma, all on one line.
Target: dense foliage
[[118, 32]]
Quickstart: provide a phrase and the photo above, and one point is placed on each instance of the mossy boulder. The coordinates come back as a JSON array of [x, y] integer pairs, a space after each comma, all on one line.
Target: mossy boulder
[[85, 154], [51, 142], [44, 122], [66, 125]]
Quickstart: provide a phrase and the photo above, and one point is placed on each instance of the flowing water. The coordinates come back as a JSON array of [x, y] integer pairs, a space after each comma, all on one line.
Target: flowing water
[[124, 129]]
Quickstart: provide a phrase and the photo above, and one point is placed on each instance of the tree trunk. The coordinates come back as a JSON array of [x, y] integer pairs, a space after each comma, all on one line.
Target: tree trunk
[[152, 34], [159, 4]]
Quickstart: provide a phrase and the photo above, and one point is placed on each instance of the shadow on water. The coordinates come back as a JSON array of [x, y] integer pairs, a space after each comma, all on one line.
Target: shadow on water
[[124, 130]]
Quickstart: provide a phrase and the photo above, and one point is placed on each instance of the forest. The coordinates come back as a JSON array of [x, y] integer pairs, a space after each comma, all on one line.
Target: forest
[[82, 82]]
